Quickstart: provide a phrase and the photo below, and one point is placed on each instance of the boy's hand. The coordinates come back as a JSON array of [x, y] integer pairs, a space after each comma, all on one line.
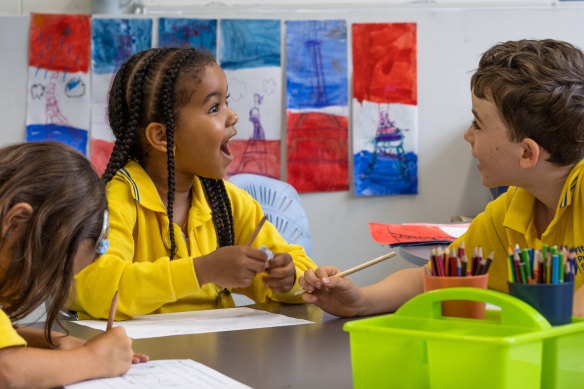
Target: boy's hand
[[337, 296], [230, 266], [281, 273]]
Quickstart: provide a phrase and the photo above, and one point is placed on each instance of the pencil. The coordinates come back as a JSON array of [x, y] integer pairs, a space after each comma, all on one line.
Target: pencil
[[357, 268], [112, 313], [257, 230]]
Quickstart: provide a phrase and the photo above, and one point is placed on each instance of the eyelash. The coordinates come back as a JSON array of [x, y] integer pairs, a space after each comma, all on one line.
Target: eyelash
[[215, 107], [475, 125]]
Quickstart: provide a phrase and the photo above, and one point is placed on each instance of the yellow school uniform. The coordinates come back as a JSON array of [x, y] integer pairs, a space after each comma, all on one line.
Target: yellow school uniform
[[509, 220], [8, 335], [137, 263]]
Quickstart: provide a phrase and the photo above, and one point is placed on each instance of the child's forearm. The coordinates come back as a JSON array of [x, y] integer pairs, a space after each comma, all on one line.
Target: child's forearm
[[35, 337], [28, 367], [390, 293]]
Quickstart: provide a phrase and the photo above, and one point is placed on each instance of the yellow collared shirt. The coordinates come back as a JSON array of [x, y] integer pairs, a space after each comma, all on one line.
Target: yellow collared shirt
[[509, 220], [137, 263]]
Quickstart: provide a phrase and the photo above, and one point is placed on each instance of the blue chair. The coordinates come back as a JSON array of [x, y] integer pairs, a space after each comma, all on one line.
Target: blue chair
[[281, 204]]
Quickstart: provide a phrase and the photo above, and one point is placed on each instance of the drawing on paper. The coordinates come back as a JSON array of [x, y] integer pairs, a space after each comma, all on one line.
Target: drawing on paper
[[250, 57], [316, 76], [180, 32], [114, 41], [385, 109], [58, 105]]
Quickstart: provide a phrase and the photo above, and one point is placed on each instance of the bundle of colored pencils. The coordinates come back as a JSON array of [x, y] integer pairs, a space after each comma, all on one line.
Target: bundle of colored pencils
[[549, 265], [454, 263]]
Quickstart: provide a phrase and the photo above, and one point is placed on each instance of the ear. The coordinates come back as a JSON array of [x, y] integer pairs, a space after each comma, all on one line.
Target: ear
[[156, 136], [16, 218], [530, 153]]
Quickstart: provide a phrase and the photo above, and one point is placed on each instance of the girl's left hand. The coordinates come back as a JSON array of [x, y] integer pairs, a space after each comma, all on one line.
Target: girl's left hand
[[281, 273]]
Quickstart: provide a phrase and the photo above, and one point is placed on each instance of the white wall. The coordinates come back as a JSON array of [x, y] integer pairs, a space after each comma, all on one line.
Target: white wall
[[450, 41]]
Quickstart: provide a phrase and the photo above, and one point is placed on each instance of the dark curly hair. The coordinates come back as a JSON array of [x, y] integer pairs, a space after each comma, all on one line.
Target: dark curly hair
[[146, 90], [538, 86]]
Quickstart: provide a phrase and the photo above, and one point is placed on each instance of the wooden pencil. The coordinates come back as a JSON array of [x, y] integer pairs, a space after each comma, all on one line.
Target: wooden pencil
[[257, 230], [112, 313], [358, 267]]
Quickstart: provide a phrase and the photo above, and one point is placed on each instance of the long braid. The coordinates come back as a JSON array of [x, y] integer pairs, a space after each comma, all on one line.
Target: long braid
[[168, 112], [125, 121], [221, 209]]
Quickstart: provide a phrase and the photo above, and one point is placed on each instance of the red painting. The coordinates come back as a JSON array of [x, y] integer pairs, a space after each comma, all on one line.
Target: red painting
[[385, 62], [100, 154], [317, 152], [60, 42], [255, 157]]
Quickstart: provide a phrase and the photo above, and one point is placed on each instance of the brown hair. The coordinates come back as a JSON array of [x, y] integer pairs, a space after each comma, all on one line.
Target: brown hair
[[153, 86], [538, 86], [68, 202]]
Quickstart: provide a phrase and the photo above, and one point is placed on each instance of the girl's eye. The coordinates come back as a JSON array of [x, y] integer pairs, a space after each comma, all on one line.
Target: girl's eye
[[214, 108], [227, 99], [475, 125]]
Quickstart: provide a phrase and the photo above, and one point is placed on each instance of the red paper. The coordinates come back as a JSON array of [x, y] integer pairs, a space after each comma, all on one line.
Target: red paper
[[399, 234]]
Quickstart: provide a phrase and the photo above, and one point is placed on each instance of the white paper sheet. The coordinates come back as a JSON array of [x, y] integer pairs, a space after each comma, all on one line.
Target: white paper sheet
[[197, 322], [170, 373]]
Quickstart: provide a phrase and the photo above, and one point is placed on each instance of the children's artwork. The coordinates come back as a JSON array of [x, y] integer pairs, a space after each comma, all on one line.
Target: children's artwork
[[411, 234], [180, 32], [316, 79], [385, 112], [114, 41], [58, 81], [250, 57]]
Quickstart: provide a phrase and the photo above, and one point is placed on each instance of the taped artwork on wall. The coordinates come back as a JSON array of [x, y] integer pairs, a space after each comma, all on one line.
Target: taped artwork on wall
[[114, 41], [181, 32], [317, 111], [250, 57], [385, 111], [58, 80]]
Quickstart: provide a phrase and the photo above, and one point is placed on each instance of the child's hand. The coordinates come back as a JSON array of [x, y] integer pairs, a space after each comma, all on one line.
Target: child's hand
[[338, 296], [230, 266], [67, 342], [281, 273], [113, 350]]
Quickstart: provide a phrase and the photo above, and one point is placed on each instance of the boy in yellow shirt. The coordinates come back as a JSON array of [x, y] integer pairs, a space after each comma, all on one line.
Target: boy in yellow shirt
[[527, 133]]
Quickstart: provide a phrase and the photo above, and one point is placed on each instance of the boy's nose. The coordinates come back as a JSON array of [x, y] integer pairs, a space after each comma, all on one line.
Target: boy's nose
[[467, 135]]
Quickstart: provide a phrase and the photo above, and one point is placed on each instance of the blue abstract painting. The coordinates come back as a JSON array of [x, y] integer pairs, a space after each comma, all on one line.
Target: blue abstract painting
[[250, 43], [115, 40], [180, 32], [320, 45]]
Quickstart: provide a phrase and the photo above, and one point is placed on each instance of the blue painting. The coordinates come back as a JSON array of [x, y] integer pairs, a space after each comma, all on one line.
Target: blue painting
[[249, 43], [179, 32], [74, 137], [115, 40], [320, 44]]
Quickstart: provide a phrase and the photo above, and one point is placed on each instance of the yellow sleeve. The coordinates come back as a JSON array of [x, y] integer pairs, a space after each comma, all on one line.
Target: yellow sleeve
[[487, 230], [144, 284], [246, 215], [8, 335]]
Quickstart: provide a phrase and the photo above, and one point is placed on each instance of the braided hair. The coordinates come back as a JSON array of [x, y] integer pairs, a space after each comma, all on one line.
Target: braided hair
[[145, 90]]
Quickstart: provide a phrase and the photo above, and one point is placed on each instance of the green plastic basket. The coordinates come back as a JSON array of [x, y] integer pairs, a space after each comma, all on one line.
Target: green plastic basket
[[512, 348]]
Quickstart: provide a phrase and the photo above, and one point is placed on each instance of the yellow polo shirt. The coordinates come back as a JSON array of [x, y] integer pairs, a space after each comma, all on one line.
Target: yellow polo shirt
[[8, 335], [509, 220], [137, 263]]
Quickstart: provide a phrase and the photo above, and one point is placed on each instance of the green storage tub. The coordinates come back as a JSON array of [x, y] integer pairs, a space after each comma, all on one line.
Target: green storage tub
[[513, 348]]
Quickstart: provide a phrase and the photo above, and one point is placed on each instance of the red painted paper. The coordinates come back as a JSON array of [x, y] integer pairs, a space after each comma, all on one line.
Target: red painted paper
[[385, 62]]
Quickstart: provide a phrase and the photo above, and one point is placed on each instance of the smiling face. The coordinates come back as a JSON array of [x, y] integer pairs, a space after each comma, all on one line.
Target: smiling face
[[488, 135], [204, 126]]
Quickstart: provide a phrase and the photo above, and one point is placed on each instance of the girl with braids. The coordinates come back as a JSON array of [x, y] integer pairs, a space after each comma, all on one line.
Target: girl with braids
[[53, 221], [179, 232]]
